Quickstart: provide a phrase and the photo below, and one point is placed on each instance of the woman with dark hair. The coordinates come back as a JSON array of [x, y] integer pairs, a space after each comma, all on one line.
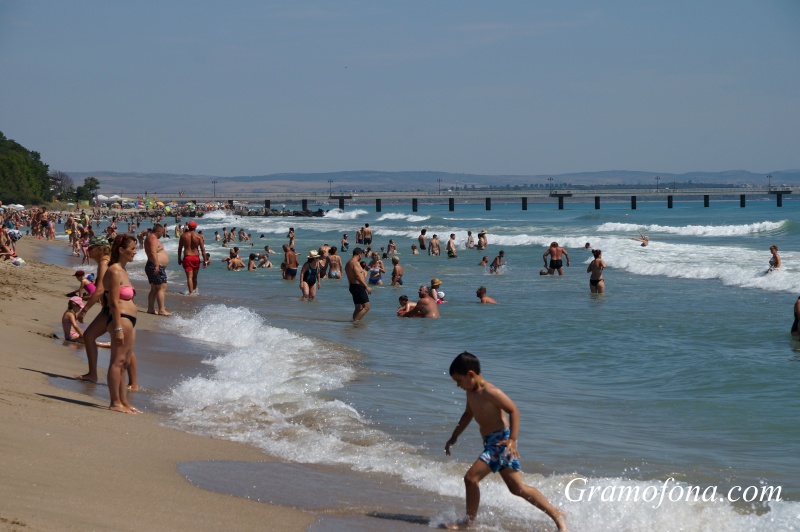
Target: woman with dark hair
[[597, 285], [100, 252], [121, 320]]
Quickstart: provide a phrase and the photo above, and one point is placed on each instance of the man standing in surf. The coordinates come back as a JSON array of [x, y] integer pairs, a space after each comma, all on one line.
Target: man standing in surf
[[556, 263], [156, 270], [358, 285], [190, 246]]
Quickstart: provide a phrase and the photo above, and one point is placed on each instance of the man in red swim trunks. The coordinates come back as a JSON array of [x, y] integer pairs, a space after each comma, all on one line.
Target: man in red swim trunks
[[191, 251]]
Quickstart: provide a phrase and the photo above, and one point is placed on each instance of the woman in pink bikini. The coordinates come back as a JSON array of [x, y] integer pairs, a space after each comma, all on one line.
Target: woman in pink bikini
[[121, 322]]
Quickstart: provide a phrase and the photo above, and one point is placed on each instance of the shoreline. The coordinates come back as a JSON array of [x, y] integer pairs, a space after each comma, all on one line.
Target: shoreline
[[70, 464]]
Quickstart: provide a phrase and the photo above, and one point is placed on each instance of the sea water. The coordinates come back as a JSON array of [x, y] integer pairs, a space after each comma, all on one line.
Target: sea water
[[682, 374]]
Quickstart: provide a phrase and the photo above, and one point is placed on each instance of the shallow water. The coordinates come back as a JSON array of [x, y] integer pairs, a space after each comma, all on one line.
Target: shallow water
[[684, 369]]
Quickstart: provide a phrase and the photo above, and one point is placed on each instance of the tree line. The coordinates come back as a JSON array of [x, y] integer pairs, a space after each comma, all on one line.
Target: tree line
[[25, 179]]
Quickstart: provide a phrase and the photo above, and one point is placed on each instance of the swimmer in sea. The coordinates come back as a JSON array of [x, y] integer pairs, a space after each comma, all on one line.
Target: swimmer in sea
[[642, 238], [597, 285], [775, 260]]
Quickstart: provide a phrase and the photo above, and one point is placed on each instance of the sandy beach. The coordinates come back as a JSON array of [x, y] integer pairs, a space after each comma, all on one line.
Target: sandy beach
[[67, 463]]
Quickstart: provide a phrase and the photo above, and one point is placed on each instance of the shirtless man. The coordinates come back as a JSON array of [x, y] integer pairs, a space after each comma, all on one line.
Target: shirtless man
[[426, 306], [421, 239], [397, 272], [358, 285], [290, 260], [486, 300], [556, 263], [434, 246], [451, 246], [367, 235], [156, 270], [190, 247], [494, 267]]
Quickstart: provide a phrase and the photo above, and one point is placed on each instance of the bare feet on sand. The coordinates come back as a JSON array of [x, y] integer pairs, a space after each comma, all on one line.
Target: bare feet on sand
[[124, 409], [86, 378], [464, 524]]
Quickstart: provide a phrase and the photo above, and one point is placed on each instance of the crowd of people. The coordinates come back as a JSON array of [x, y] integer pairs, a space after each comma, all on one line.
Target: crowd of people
[[113, 249]]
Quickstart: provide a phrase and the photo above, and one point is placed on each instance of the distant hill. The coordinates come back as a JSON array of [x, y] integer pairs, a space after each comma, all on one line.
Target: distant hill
[[369, 180]]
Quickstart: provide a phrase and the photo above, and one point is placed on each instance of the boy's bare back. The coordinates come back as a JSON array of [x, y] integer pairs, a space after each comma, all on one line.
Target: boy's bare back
[[488, 403]]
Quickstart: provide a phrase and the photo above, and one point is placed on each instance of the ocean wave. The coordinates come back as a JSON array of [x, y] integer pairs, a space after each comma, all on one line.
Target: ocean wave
[[272, 388], [697, 230], [338, 214], [399, 216]]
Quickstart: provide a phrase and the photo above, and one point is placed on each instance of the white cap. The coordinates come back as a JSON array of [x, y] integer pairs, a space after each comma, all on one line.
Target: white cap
[[440, 294]]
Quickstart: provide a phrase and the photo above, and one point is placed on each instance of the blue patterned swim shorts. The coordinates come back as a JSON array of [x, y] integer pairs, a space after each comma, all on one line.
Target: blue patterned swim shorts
[[496, 456]]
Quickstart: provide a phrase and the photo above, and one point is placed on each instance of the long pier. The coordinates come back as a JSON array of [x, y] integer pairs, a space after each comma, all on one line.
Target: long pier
[[333, 199]]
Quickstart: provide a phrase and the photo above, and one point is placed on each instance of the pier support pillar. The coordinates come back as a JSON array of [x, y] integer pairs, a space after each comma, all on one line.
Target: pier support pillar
[[524, 203], [561, 203], [341, 204], [779, 199], [451, 204], [706, 199], [305, 205], [741, 200], [414, 204], [488, 204], [597, 203], [669, 202], [633, 202], [377, 205], [266, 205]]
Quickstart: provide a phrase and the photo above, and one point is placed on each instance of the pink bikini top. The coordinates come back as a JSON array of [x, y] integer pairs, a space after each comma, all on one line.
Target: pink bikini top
[[126, 293]]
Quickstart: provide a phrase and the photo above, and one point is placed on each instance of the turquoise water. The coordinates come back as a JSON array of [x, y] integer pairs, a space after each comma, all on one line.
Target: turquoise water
[[683, 369]]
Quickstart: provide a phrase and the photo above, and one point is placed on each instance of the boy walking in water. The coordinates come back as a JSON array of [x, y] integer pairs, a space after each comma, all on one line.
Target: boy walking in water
[[488, 405]]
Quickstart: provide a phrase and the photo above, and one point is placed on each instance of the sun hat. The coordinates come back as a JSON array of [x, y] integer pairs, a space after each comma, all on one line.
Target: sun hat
[[483, 232], [435, 282], [79, 273], [77, 300], [313, 254], [98, 240]]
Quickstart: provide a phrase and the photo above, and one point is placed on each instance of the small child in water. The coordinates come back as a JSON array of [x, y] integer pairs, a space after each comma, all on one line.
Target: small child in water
[[488, 405]]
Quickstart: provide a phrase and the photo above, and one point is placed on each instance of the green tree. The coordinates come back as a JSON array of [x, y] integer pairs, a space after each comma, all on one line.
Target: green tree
[[23, 175], [92, 185]]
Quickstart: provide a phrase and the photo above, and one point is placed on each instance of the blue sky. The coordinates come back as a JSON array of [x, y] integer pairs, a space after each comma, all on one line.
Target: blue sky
[[514, 87]]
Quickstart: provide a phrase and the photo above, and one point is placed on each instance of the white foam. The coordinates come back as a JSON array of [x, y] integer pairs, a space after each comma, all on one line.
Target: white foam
[[338, 214], [399, 216], [271, 388], [696, 230]]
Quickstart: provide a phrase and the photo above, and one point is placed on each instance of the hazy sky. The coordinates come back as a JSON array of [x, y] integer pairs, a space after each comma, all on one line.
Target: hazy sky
[[511, 87]]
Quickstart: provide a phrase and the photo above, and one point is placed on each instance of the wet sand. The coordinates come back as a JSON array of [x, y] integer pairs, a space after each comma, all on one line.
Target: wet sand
[[66, 462]]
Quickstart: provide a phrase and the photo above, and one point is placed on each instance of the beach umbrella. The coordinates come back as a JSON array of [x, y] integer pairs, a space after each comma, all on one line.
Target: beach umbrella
[[160, 203], [100, 197], [115, 197], [70, 204]]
